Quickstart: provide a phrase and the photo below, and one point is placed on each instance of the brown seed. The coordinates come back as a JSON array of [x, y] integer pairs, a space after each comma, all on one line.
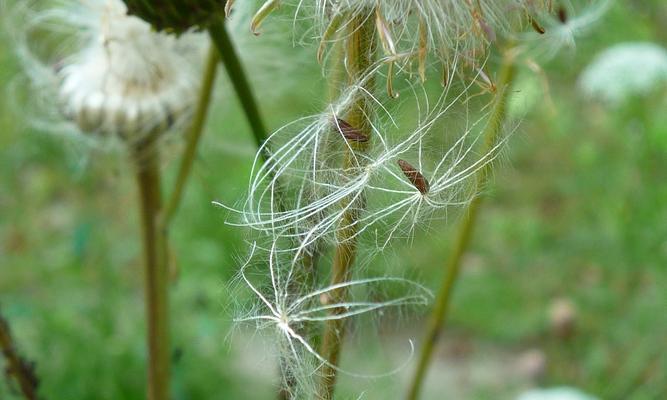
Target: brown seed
[[489, 33], [350, 133], [415, 177], [562, 14], [539, 29]]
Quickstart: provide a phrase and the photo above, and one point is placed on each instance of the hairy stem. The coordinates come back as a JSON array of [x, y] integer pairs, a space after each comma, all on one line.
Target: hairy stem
[[237, 75], [156, 288], [193, 136], [439, 313], [360, 50], [308, 265], [17, 367]]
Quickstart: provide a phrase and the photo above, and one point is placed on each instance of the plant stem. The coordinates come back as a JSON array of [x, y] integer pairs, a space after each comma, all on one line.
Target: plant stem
[[21, 369], [232, 63], [239, 80], [237, 75], [360, 50], [308, 266], [193, 137], [156, 289], [491, 136]]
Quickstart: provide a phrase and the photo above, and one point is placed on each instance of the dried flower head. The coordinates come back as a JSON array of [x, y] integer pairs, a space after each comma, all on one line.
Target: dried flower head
[[113, 76], [409, 30]]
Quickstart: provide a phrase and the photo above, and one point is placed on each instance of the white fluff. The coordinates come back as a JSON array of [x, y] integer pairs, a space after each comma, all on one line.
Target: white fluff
[[108, 73], [559, 393], [625, 70]]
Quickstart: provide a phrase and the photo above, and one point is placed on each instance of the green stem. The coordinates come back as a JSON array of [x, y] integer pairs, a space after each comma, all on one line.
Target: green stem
[[237, 75], [232, 63], [360, 51], [156, 289], [193, 137], [17, 367], [491, 136]]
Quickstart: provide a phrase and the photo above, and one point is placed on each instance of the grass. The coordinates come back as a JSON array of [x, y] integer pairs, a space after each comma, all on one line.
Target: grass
[[577, 211]]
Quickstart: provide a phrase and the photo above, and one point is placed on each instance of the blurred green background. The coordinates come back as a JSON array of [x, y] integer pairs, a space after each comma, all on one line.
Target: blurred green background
[[577, 215]]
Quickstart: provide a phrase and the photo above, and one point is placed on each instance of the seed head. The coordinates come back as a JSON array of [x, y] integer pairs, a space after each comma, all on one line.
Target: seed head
[[111, 75], [410, 29], [128, 81]]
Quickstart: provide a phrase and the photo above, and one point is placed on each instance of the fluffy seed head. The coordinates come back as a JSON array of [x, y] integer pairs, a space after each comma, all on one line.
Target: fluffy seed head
[[410, 29], [286, 311], [127, 81], [94, 69]]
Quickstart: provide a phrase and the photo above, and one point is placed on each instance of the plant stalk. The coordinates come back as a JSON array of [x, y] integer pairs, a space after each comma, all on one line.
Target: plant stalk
[[360, 48], [193, 136], [308, 265], [155, 270], [239, 80], [17, 367], [453, 266]]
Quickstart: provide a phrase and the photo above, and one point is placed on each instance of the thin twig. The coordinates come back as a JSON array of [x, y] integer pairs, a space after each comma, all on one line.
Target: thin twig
[[239, 80], [439, 313], [193, 137], [18, 368], [156, 288]]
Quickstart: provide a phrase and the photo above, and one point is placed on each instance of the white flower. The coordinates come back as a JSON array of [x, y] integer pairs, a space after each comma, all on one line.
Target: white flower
[[559, 393], [625, 70]]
